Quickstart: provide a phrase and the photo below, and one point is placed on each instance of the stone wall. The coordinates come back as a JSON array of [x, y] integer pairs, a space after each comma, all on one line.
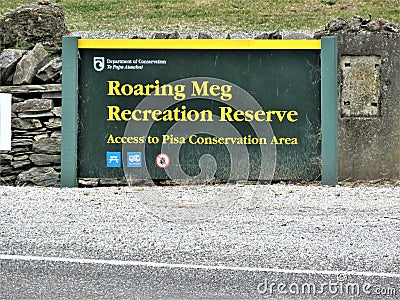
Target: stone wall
[[369, 97], [369, 124], [35, 84], [39, 22]]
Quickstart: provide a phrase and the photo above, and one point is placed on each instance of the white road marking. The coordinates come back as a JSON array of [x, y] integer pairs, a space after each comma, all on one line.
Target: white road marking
[[190, 266]]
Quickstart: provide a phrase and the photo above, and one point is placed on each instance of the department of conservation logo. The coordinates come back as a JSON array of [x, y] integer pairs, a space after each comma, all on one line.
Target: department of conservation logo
[[98, 63]]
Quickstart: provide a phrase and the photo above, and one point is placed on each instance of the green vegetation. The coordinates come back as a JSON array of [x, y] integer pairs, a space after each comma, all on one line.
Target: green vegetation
[[214, 15]]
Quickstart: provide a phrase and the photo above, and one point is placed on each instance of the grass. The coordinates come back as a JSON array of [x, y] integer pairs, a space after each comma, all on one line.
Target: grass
[[214, 15]]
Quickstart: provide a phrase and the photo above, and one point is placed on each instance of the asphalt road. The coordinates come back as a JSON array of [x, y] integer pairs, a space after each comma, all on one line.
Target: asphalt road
[[98, 280], [281, 242]]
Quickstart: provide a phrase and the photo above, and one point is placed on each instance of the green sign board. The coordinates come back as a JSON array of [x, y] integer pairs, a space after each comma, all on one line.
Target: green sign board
[[199, 110]]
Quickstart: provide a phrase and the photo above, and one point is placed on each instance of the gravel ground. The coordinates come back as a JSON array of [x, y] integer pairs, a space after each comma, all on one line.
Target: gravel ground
[[277, 226], [299, 34]]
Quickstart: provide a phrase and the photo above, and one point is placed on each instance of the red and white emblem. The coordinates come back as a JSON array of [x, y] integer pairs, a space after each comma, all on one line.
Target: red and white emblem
[[163, 160]]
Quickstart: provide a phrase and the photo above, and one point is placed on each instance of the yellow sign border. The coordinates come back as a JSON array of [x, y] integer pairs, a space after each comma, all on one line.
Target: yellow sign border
[[198, 44]]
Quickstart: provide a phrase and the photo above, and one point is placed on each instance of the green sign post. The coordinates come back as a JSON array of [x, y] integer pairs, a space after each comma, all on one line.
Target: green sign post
[[199, 110]]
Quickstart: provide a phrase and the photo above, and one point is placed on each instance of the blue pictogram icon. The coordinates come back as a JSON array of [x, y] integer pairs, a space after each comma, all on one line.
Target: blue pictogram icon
[[113, 159], [134, 159]]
